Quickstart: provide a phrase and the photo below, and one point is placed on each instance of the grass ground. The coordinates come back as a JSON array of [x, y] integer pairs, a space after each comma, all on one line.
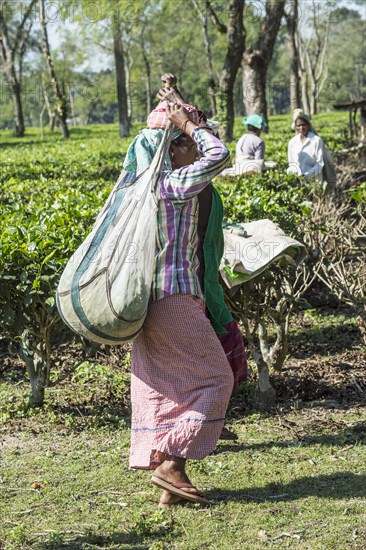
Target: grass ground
[[294, 479]]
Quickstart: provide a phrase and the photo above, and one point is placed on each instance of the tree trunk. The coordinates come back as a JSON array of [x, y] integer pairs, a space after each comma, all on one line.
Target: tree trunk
[[211, 77], [314, 102], [144, 49], [361, 321], [93, 105], [265, 394], [148, 87], [41, 120], [72, 105], [256, 60], [51, 114], [124, 126], [254, 83], [234, 53], [61, 105], [52, 121], [147, 78], [305, 93], [312, 58], [18, 109], [36, 355], [9, 52], [292, 23], [90, 349], [203, 15], [128, 66]]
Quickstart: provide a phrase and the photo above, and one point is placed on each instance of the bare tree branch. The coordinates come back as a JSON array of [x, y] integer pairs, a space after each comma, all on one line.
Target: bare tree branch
[[26, 15], [221, 27]]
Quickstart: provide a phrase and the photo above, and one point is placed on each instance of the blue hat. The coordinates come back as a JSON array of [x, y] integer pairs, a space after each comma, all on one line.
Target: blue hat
[[255, 120]]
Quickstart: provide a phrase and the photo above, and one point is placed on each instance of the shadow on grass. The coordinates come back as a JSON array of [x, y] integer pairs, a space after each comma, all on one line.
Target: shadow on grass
[[352, 435], [98, 416], [126, 540], [329, 389], [341, 485], [328, 340]]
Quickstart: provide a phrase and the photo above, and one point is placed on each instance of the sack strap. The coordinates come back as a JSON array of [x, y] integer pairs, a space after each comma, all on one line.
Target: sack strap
[[157, 164]]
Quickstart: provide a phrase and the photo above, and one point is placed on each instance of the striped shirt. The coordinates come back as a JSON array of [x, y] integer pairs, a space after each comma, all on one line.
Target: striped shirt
[[177, 243]]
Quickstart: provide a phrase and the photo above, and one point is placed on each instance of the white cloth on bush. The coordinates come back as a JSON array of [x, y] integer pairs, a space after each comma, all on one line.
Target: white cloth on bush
[[248, 168], [250, 248]]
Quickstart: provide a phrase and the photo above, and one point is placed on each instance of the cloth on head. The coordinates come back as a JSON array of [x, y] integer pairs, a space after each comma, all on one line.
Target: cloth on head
[[303, 117], [143, 148], [158, 118], [255, 120]]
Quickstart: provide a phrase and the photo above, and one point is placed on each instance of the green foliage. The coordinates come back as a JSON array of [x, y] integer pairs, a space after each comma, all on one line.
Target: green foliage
[[275, 196], [101, 376], [358, 194], [52, 192]]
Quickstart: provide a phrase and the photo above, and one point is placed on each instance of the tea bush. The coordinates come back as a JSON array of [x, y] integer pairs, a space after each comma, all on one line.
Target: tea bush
[[52, 190]]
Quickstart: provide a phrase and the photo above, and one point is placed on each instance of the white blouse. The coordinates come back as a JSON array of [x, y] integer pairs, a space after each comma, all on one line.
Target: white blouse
[[305, 158]]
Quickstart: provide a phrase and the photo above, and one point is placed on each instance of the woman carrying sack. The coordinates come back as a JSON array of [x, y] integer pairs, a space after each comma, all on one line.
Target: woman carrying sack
[[181, 380]]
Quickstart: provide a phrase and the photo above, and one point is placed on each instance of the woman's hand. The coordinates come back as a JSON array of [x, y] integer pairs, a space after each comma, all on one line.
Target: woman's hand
[[178, 115]]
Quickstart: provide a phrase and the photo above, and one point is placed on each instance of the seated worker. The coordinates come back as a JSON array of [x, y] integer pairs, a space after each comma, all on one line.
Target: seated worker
[[305, 151], [250, 146]]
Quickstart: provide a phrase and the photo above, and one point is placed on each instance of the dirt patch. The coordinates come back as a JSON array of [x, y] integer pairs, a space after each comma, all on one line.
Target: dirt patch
[[339, 379], [10, 442]]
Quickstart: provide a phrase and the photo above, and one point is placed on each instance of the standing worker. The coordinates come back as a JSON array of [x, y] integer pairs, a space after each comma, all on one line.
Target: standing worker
[[181, 380]]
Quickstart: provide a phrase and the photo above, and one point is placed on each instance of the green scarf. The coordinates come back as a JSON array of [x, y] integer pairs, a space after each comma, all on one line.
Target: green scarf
[[143, 148], [213, 249]]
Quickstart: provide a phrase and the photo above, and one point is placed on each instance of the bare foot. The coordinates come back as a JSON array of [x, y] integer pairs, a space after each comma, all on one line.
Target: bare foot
[[173, 471], [168, 499]]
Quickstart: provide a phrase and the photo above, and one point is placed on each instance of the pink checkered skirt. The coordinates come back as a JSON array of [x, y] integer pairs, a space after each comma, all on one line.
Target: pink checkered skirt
[[181, 384]]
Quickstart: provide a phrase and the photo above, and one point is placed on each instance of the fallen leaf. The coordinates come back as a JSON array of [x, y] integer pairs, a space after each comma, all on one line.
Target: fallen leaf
[[37, 486]]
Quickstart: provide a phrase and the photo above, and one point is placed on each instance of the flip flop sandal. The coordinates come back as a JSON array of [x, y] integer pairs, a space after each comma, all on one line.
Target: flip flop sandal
[[177, 489], [228, 435]]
